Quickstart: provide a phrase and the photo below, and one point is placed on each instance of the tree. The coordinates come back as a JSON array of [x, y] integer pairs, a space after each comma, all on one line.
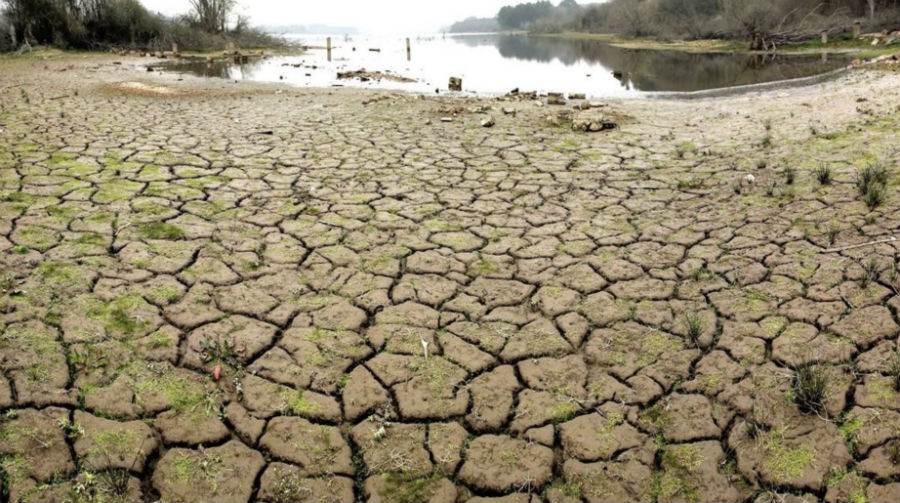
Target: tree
[[212, 15], [756, 19], [521, 15]]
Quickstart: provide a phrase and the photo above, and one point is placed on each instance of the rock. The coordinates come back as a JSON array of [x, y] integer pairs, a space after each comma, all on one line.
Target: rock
[[592, 125], [555, 99], [487, 122], [509, 111], [455, 84], [576, 96], [446, 119]]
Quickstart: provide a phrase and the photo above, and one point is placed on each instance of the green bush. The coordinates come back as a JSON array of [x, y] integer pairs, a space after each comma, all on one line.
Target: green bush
[[92, 24]]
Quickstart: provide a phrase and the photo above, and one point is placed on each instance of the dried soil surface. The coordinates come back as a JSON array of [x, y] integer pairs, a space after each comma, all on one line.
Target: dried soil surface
[[218, 291]]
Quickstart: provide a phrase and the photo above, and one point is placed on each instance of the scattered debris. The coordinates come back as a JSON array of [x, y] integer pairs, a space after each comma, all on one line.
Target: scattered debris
[[861, 245], [366, 76]]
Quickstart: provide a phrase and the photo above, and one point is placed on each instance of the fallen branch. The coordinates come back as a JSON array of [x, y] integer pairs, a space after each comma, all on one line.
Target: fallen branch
[[861, 245]]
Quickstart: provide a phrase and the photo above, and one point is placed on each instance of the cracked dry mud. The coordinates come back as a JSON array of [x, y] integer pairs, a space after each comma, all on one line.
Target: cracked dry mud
[[404, 310]]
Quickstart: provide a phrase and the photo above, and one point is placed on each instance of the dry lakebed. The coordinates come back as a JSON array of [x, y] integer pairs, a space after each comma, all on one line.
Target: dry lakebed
[[221, 291]]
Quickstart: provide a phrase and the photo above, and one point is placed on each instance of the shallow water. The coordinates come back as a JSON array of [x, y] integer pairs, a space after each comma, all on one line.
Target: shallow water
[[495, 64]]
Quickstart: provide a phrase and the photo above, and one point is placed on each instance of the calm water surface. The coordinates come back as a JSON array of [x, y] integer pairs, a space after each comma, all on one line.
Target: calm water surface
[[495, 64]]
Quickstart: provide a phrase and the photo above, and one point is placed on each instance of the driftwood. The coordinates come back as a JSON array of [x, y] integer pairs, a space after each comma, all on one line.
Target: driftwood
[[781, 36], [861, 245]]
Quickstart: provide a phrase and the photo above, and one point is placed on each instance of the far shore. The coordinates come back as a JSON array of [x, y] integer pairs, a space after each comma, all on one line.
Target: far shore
[[861, 48]]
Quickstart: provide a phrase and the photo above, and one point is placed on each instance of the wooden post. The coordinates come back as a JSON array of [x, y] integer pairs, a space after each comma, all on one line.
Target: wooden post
[[328, 46], [857, 28], [175, 47], [408, 50], [824, 37]]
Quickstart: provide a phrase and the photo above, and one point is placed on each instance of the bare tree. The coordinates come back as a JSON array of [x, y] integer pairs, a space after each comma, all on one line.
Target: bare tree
[[871, 8], [212, 15]]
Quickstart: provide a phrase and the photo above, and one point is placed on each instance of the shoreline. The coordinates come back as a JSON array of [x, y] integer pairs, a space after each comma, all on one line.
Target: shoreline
[[861, 49]]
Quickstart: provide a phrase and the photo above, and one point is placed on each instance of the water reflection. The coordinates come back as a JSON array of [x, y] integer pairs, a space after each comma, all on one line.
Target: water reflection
[[497, 63], [661, 70]]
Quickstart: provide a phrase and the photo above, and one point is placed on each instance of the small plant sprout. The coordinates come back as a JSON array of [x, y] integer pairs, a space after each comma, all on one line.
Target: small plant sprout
[[832, 230], [869, 176], [810, 388], [790, 174], [874, 196], [71, 428], [894, 371], [694, 326], [824, 174], [871, 269]]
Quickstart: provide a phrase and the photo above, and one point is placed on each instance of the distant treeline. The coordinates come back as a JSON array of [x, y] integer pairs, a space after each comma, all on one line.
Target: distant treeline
[[475, 25], [91, 24], [760, 21]]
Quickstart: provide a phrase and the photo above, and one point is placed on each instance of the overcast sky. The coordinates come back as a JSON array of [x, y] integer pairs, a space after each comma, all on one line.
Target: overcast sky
[[376, 16]]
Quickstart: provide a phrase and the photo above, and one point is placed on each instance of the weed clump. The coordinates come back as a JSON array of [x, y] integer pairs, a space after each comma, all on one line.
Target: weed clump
[[810, 388], [870, 183], [160, 230], [790, 175], [693, 327], [824, 174], [871, 269], [894, 371]]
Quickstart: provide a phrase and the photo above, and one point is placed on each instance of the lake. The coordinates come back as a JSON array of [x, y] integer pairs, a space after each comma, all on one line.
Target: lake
[[492, 64]]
